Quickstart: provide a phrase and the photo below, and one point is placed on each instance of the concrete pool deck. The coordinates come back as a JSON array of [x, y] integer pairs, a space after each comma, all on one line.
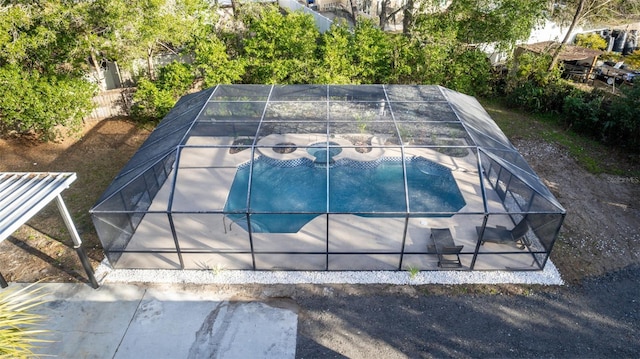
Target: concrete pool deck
[[206, 174]]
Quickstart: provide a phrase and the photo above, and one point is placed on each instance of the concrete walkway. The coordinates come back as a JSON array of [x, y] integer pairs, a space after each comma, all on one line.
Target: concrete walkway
[[163, 321]]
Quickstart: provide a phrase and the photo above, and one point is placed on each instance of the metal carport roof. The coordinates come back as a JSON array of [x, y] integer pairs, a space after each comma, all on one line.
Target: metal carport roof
[[23, 195]]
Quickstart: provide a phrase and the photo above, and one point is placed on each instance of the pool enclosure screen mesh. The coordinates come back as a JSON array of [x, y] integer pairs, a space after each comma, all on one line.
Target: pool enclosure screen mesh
[[323, 177]]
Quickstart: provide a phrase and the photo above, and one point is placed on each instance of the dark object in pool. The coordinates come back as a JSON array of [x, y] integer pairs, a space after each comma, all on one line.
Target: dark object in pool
[[285, 147]]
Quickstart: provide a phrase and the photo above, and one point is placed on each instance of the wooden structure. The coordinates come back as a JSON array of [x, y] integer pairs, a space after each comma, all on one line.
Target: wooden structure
[[584, 58]]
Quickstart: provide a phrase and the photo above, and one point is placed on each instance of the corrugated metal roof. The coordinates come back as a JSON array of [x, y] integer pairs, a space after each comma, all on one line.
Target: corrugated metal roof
[[22, 195]]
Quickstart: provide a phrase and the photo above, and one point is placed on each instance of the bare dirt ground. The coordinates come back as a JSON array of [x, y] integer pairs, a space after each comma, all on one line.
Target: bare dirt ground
[[42, 249]]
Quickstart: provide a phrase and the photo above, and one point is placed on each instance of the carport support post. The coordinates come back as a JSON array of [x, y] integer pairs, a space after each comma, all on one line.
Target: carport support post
[[77, 242], [3, 283]]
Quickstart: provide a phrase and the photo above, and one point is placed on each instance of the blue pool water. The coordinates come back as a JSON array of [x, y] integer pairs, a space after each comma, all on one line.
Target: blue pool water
[[322, 153], [284, 199]]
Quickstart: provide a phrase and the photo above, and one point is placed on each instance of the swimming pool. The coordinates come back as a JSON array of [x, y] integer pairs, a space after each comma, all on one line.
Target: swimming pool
[[283, 199], [322, 155]]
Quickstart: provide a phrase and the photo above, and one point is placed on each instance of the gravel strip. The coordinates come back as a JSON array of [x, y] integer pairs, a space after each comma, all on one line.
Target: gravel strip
[[106, 274]]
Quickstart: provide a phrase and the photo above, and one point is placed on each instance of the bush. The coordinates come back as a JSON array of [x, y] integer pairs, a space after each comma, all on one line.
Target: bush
[[40, 105], [176, 78], [624, 118], [153, 100], [530, 86], [151, 103], [581, 112], [591, 41], [469, 72]]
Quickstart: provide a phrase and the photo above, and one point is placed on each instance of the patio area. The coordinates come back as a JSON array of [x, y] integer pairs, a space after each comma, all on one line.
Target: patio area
[[173, 213]]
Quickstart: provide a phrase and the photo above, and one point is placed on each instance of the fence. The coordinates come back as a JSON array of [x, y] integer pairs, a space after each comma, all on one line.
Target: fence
[[323, 23], [112, 103]]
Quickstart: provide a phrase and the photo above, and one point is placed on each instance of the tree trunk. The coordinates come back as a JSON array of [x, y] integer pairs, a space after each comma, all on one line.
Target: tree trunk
[[234, 8], [96, 68], [574, 22], [383, 14], [354, 12], [407, 19], [152, 74]]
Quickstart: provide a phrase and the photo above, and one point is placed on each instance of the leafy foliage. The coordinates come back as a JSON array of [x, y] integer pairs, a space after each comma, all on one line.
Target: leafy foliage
[[633, 59], [591, 41], [176, 78], [336, 56], [372, 54], [150, 102], [18, 325], [500, 22], [43, 105], [470, 72], [611, 119], [529, 85], [141, 27], [44, 48], [581, 112], [212, 60], [280, 49], [154, 99], [624, 115]]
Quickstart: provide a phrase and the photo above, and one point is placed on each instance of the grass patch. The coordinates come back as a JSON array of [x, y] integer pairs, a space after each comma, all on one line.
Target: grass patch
[[592, 155]]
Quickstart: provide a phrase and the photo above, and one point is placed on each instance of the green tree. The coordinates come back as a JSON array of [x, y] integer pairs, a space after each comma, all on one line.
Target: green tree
[[500, 22], [154, 99], [372, 54], [142, 27], [421, 57], [280, 49], [468, 71], [39, 36], [212, 60], [336, 57]]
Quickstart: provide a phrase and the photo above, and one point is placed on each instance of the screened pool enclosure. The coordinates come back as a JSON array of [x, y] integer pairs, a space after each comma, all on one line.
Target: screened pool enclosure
[[317, 177]]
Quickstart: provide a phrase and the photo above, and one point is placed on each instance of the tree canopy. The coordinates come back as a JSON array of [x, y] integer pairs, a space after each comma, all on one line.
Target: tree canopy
[[48, 49]]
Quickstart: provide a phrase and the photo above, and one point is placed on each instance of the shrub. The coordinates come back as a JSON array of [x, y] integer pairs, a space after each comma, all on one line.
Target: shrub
[[31, 103], [624, 119], [591, 41], [530, 86], [469, 72], [18, 326], [581, 112], [176, 78], [151, 103], [153, 100], [633, 60]]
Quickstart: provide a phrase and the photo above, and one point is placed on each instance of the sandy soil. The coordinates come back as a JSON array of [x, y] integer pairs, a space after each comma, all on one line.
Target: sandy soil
[[42, 249]]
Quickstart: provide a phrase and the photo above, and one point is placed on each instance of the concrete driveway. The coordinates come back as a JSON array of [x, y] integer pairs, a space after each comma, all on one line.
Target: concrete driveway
[[133, 321]]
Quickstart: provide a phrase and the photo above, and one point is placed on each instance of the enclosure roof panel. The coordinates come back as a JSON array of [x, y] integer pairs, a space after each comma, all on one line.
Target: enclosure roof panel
[[413, 117], [167, 136], [22, 195]]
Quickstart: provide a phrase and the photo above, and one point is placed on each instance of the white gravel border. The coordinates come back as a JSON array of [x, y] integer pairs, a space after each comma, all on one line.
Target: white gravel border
[[106, 274]]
